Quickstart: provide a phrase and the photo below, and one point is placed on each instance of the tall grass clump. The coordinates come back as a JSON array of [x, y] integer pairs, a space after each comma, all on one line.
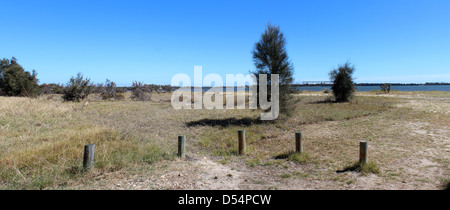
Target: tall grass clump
[[370, 167]]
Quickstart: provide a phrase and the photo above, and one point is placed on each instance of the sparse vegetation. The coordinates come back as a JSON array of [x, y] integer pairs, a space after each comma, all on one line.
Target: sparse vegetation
[[364, 169], [285, 176], [140, 92], [44, 141], [299, 157]]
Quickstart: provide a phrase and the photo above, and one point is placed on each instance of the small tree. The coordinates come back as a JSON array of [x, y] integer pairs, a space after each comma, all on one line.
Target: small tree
[[343, 85], [15, 81], [140, 92], [77, 88], [270, 57]]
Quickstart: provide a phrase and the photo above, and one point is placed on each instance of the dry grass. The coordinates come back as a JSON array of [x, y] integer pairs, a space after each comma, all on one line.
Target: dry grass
[[41, 141], [42, 144]]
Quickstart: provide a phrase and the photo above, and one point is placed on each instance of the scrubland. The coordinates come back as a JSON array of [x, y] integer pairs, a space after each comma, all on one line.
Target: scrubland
[[42, 139]]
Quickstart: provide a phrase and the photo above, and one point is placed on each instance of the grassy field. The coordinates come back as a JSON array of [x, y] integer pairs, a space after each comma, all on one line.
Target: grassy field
[[41, 144]]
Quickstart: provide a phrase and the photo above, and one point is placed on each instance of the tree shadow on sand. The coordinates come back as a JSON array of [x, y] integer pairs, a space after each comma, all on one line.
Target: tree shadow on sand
[[244, 122], [328, 100]]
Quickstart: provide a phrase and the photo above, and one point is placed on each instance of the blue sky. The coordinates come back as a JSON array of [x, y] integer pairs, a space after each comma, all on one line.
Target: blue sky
[[151, 41]]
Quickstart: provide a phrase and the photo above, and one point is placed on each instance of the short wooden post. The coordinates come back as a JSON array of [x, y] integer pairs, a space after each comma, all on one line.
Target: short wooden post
[[363, 151], [181, 146], [241, 138], [88, 158], [298, 142]]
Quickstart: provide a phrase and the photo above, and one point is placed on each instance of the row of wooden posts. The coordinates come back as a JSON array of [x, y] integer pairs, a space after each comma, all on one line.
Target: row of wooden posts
[[89, 149]]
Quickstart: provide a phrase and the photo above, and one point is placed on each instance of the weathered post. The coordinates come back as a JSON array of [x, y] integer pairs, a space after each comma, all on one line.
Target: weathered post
[[88, 158], [363, 149], [241, 138], [181, 146], [298, 142]]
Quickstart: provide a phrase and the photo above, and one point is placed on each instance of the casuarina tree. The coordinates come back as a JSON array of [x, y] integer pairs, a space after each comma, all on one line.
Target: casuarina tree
[[270, 57], [343, 85]]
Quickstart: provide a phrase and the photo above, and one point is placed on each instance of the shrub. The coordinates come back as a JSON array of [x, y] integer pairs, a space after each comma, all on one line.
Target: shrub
[[108, 90], [343, 85], [326, 90], [140, 92], [386, 88], [15, 81], [77, 88]]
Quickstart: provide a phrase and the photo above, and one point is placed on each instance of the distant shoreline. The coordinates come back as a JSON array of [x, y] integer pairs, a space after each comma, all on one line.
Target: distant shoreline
[[378, 84]]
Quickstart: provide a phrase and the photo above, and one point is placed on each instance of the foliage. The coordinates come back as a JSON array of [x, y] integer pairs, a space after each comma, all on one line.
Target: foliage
[[77, 88], [270, 57], [343, 86], [386, 88], [15, 81]]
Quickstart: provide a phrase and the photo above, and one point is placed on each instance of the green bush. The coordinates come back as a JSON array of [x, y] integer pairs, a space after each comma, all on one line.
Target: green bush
[[77, 88], [343, 85], [15, 81]]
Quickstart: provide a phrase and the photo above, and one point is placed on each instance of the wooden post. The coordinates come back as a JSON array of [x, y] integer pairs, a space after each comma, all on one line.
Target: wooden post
[[181, 146], [363, 151], [298, 142], [88, 158], [241, 138]]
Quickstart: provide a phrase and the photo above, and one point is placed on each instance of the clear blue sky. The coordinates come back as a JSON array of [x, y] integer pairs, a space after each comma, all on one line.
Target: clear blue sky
[[151, 41]]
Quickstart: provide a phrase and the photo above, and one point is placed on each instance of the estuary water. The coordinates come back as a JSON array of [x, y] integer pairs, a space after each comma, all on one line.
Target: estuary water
[[393, 87], [358, 88]]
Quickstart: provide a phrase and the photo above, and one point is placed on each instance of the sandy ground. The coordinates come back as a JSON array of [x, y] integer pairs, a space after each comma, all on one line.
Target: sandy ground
[[421, 170]]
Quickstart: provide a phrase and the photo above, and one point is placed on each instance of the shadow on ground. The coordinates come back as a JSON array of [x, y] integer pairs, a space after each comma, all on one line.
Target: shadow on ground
[[227, 122], [328, 100]]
